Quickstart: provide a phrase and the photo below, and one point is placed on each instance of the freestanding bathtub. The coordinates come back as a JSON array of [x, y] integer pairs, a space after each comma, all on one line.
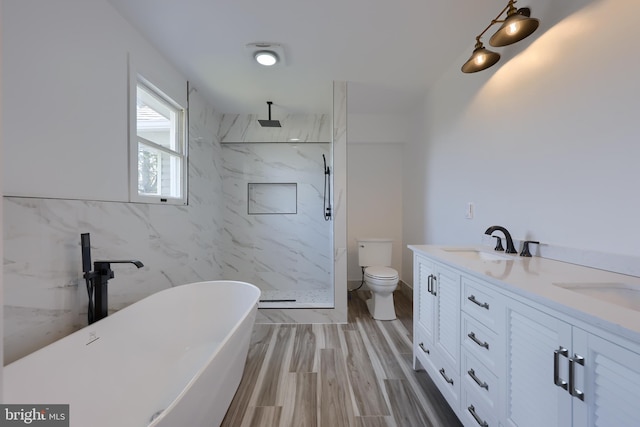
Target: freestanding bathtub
[[175, 358]]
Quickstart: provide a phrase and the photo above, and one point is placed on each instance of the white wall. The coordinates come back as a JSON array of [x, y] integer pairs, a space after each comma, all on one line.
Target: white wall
[[65, 96], [374, 178], [545, 143], [374, 171]]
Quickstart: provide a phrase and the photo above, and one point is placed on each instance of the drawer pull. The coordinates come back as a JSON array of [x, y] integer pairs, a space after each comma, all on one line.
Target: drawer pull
[[446, 378], [422, 347], [479, 420], [561, 351], [481, 383], [572, 379], [473, 299], [484, 344]]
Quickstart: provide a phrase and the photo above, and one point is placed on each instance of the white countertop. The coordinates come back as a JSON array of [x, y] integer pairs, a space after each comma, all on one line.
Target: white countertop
[[534, 278]]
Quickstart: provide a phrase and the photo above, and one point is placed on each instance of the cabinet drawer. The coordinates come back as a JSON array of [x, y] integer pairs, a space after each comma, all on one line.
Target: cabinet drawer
[[480, 341], [477, 377], [447, 379], [474, 411], [482, 303], [423, 349]]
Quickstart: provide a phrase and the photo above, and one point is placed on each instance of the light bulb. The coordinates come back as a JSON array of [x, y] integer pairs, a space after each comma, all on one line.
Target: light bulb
[[512, 28], [479, 59], [266, 58]]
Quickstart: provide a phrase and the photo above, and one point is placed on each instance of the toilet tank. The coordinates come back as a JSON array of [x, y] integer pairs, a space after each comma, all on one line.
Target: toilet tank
[[374, 252]]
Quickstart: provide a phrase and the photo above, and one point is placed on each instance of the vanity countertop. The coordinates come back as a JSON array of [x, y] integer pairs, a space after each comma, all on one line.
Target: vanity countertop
[[534, 278]]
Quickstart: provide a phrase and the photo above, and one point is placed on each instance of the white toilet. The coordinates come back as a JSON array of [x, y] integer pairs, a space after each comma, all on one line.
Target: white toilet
[[382, 280]]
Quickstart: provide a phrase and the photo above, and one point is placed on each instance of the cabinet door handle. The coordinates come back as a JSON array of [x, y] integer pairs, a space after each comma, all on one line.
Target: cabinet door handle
[[473, 299], [430, 284], [434, 284], [572, 376], [422, 347], [561, 351], [479, 420], [484, 344], [446, 378], [478, 381]]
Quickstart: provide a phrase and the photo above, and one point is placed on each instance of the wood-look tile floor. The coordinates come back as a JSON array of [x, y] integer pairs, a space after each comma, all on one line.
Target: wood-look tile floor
[[356, 374]]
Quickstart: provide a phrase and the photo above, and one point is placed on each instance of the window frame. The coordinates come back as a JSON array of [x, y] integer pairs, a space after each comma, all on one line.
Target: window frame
[[181, 152]]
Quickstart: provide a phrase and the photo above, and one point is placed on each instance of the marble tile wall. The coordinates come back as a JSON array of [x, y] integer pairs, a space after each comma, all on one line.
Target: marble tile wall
[[277, 251], [44, 293]]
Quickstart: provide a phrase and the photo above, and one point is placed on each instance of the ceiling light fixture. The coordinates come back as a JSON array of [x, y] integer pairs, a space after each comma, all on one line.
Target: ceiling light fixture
[[266, 54], [516, 26], [266, 57]]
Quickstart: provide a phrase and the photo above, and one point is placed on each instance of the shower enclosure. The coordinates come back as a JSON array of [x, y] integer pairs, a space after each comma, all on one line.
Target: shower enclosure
[[277, 234]]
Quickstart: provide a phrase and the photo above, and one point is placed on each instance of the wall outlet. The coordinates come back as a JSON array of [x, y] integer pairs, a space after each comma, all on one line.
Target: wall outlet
[[469, 212]]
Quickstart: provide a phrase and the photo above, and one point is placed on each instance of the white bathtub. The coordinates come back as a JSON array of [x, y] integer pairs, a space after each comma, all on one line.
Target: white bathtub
[[172, 359]]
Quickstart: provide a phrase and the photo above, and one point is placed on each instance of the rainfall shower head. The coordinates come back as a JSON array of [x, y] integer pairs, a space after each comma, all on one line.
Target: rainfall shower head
[[269, 123]]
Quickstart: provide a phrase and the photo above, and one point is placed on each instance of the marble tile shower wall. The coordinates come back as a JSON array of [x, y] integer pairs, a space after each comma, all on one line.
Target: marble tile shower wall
[[44, 293], [277, 251]]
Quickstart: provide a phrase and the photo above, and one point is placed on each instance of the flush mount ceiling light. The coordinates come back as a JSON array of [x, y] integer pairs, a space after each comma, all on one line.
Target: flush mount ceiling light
[[266, 58], [516, 26], [266, 54]]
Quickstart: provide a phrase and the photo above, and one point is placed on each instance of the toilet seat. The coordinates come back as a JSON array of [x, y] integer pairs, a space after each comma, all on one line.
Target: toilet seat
[[381, 275]]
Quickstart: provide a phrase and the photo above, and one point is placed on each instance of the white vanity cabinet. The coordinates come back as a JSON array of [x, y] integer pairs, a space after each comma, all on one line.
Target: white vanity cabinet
[[559, 374], [502, 358], [436, 331]]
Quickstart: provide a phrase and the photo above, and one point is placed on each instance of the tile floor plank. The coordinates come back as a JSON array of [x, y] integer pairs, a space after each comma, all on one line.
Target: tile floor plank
[[364, 382], [407, 410], [268, 393], [335, 408], [304, 349], [305, 413]]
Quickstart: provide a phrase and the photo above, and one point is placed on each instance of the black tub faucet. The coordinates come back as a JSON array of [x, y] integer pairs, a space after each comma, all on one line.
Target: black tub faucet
[[510, 248], [96, 280]]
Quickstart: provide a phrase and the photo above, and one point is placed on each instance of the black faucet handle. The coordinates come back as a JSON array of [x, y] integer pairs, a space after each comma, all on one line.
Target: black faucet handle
[[525, 247], [123, 261], [498, 244]]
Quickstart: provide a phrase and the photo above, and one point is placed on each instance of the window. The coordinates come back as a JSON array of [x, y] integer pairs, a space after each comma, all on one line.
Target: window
[[158, 156]]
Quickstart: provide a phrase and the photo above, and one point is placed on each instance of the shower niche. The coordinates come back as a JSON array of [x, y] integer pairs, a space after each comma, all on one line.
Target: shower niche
[[275, 231], [265, 198]]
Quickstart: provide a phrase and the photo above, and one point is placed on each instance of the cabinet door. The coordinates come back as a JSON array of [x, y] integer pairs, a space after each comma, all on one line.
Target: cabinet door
[[447, 336], [610, 380], [532, 397], [424, 300]]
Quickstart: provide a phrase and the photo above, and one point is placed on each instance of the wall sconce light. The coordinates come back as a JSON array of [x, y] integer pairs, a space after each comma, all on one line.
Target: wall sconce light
[[516, 26]]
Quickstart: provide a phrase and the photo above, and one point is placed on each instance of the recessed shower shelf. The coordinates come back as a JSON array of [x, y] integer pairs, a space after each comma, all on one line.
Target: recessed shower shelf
[[272, 198]]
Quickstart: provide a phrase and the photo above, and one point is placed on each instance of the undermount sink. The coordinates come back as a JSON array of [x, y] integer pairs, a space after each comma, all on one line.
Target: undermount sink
[[483, 256], [622, 294]]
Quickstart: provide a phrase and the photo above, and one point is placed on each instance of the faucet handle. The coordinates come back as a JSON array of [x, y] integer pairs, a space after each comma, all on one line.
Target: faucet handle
[[498, 244], [525, 247]]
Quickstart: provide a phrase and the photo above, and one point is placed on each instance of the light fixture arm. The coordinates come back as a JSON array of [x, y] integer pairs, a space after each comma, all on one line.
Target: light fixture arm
[[497, 20]]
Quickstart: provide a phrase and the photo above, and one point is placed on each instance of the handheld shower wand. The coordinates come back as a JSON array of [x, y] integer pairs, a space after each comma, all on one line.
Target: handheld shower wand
[[327, 190]]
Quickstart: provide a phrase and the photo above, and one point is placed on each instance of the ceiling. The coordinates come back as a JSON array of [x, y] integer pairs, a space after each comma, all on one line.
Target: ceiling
[[389, 52]]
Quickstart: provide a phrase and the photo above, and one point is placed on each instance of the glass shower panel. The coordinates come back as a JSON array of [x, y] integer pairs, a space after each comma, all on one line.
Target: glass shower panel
[[287, 250]]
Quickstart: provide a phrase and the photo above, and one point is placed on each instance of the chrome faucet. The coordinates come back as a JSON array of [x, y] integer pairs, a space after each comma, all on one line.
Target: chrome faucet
[[510, 248]]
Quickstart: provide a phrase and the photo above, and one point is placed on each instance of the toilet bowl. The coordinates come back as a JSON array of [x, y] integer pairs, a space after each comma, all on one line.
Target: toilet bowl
[[374, 256], [381, 281]]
